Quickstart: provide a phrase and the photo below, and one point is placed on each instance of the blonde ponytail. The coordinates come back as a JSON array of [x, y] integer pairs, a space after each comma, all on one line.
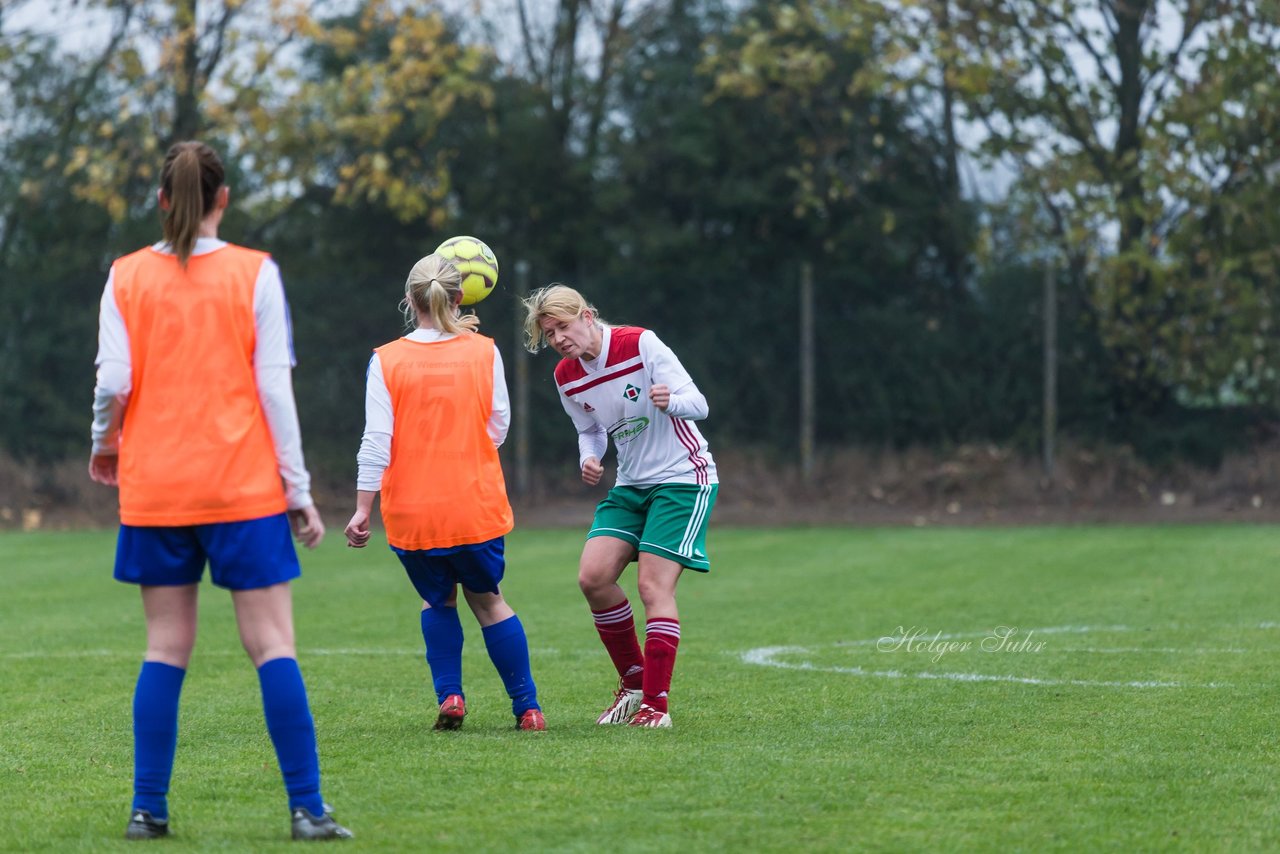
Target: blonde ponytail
[[434, 290]]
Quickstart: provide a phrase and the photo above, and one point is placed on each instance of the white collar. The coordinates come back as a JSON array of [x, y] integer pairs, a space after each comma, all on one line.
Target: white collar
[[599, 361], [427, 336], [204, 245]]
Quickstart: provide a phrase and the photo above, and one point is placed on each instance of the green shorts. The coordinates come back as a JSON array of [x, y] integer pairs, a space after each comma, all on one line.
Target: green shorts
[[669, 520]]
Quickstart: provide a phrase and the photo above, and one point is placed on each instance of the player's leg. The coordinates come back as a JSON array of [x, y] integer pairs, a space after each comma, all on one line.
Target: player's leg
[[603, 560], [442, 639], [601, 565], [265, 618], [480, 569], [433, 578], [674, 538], [656, 580], [167, 564], [611, 545], [256, 560], [508, 648], [171, 634]]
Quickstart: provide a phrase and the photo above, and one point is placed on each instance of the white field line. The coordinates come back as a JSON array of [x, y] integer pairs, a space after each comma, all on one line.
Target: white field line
[[1050, 630], [770, 656], [766, 656], [302, 653], [1162, 650]]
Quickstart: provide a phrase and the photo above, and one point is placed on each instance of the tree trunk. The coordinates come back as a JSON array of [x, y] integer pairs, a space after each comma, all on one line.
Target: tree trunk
[[953, 255], [186, 106], [1128, 145]]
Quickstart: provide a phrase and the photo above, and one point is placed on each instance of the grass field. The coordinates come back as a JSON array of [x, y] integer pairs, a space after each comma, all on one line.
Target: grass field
[[1134, 707]]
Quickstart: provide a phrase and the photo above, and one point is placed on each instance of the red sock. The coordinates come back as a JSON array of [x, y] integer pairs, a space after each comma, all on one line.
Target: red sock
[[617, 630], [661, 638]]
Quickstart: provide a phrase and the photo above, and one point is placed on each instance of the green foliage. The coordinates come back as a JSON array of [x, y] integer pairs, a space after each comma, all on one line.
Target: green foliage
[[1139, 128], [50, 256], [680, 176]]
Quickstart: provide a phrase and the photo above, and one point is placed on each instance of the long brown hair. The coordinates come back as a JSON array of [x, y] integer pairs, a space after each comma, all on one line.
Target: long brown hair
[[190, 181]]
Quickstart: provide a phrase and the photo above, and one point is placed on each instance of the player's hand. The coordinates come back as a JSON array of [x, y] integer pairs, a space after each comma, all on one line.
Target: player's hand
[[592, 471], [358, 530], [661, 396], [307, 526], [105, 469]]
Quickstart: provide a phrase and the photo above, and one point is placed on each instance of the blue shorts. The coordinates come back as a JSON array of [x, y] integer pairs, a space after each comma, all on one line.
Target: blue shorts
[[241, 555], [434, 572]]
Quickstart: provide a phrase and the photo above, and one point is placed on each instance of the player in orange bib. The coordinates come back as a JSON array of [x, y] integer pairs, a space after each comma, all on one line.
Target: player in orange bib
[[195, 422], [436, 410]]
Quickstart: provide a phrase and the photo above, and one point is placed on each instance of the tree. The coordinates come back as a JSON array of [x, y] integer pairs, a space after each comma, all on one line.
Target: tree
[[1136, 123], [360, 119]]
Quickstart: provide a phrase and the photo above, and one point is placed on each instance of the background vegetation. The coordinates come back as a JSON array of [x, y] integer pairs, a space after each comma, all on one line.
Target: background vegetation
[[678, 160]]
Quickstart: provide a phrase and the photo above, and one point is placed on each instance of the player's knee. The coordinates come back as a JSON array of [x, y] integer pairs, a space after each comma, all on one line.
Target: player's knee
[[489, 607], [654, 592], [592, 580]]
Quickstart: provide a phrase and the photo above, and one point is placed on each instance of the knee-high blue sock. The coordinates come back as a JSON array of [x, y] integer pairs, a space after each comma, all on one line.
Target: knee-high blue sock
[[155, 735], [442, 633], [293, 732], [509, 651]]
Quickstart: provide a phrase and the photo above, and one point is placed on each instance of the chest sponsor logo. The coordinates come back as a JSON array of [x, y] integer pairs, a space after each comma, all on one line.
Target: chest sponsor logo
[[631, 393], [627, 429]]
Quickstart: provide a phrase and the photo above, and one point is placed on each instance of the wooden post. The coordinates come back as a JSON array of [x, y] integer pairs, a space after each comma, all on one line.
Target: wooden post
[[806, 371], [1050, 425], [520, 401]]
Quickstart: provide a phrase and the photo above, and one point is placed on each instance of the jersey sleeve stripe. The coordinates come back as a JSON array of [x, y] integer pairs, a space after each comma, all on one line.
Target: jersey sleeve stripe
[[686, 437]]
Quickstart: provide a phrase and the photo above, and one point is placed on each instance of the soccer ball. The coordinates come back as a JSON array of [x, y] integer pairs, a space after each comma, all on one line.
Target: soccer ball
[[477, 264]]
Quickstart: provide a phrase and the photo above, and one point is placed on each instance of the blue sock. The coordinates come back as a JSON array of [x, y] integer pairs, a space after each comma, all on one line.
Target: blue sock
[[442, 633], [155, 735], [293, 732], [509, 651]]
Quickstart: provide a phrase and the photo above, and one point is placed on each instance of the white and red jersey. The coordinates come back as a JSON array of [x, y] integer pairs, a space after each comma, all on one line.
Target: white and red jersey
[[608, 397]]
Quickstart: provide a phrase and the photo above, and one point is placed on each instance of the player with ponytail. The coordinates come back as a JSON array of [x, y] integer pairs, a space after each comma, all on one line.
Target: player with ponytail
[[436, 410], [195, 422]]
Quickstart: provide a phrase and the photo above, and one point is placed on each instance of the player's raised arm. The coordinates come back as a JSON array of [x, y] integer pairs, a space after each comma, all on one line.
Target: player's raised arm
[[672, 385]]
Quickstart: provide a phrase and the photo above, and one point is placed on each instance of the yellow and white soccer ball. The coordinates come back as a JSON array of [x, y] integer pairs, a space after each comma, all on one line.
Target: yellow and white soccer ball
[[477, 264]]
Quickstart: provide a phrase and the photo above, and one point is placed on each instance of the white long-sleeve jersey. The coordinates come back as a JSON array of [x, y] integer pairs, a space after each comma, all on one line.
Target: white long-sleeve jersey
[[379, 419], [273, 363], [608, 397]]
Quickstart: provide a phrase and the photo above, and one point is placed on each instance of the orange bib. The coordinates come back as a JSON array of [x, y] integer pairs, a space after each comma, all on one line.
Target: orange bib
[[194, 446], [444, 486]]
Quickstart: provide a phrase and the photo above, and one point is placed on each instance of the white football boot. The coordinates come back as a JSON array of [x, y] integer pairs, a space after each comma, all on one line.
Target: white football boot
[[650, 717], [625, 703]]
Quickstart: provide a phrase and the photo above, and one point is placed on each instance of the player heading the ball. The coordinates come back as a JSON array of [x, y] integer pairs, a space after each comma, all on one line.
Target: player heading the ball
[[623, 382], [436, 410]]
